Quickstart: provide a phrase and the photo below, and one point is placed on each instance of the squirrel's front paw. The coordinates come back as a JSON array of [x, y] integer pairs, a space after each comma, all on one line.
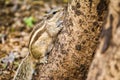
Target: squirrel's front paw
[[43, 60]]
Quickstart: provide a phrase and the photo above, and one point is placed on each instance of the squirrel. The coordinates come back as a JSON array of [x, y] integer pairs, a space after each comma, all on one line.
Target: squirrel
[[41, 42]]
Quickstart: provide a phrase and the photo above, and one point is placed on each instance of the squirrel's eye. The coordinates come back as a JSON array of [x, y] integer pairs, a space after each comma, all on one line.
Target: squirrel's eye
[[55, 12]]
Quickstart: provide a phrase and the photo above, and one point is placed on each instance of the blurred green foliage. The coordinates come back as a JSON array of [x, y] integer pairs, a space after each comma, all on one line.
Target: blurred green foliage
[[29, 21]]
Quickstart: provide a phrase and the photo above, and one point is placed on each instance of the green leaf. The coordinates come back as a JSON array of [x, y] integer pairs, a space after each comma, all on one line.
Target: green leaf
[[29, 21]]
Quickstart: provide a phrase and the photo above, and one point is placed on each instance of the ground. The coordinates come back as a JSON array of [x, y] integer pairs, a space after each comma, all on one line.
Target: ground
[[17, 19]]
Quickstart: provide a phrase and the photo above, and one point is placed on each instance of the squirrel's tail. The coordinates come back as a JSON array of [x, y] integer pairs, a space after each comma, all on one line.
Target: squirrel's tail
[[25, 69]]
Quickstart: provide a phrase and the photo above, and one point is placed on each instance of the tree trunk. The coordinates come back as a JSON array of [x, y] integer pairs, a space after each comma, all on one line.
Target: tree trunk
[[75, 46], [106, 65]]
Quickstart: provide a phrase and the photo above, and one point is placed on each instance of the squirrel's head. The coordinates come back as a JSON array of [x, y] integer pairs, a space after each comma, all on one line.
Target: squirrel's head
[[55, 14]]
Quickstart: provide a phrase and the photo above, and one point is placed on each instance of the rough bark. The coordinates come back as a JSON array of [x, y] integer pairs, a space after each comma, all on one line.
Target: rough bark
[[106, 65], [75, 46]]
